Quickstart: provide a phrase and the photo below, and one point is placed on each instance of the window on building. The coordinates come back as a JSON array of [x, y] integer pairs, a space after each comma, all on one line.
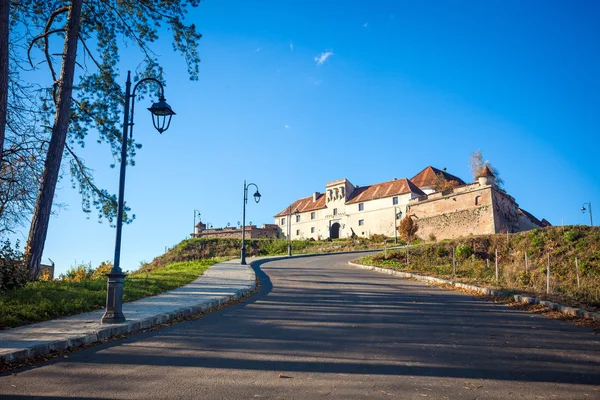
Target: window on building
[[297, 218], [282, 221], [361, 207], [361, 222], [297, 232], [395, 200], [312, 230], [477, 200], [335, 211], [313, 215]]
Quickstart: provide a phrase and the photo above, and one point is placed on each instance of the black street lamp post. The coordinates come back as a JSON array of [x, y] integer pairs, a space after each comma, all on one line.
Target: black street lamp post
[[256, 199], [296, 212], [583, 210], [161, 118], [196, 214]]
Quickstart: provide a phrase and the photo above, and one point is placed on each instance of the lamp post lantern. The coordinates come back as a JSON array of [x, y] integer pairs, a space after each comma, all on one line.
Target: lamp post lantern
[[583, 210], [397, 216], [196, 214], [256, 199], [296, 212], [161, 119]]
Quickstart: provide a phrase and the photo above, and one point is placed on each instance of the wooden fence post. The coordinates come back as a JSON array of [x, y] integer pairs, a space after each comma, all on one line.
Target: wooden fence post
[[496, 264], [526, 262], [577, 270], [454, 261], [548, 276]]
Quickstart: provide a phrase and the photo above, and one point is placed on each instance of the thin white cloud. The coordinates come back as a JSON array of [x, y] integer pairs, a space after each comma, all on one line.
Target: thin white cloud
[[366, 24], [257, 50], [287, 126], [321, 58], [314, 81], [291, 46]]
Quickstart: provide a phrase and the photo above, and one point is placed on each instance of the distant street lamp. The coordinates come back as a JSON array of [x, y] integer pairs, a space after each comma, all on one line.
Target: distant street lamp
[[161, 119], [583, 209], [296, 212], [397, 216], [196, 213], [256, 199]]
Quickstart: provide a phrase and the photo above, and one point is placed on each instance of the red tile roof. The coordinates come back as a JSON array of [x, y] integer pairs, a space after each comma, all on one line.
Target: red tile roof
[[427, 177], [304, 205], [384, 189], [360, 194]]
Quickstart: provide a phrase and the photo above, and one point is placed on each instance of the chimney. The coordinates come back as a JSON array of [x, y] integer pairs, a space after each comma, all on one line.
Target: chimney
[[315, 195]]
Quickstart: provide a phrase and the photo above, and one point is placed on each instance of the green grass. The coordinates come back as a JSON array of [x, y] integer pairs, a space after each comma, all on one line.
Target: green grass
[[193, 249], [42, 301], [472, 253]]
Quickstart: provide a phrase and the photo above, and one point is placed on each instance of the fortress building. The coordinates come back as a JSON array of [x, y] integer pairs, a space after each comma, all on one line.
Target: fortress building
[[442, 204]]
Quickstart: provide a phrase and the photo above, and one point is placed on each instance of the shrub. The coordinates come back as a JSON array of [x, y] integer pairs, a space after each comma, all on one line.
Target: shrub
[[45, 276], [536, 239], [432, 238], [572, 235], [408, 228], [79, 273], [377, 238], [524, 278], [463, 252], [101, 270], [13, 272]]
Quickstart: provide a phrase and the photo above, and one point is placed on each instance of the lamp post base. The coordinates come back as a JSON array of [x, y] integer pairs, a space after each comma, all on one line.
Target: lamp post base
[[243, 262], [114, 299], [289, 250]]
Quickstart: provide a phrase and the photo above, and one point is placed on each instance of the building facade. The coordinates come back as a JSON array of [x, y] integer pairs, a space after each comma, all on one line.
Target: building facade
[[344, 209]]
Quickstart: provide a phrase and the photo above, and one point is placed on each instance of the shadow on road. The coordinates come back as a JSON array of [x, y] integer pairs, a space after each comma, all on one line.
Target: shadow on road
[[308, 317]]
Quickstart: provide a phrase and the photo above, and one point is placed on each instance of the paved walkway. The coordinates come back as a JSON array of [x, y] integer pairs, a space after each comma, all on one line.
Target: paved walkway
[[219, 284]]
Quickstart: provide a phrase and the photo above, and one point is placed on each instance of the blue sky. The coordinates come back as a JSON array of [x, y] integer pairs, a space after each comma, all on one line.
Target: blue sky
[[404, 85]]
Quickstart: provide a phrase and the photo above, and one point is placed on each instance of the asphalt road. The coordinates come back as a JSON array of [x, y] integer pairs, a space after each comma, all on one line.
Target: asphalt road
[[321, 329]]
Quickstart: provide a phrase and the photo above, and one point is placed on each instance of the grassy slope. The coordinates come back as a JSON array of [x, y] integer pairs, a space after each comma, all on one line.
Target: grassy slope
[[195, 249], [41, 301], [562, 244]]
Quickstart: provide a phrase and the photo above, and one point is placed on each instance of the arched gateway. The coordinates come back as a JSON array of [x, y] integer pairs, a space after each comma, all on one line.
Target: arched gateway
[[334, 231]]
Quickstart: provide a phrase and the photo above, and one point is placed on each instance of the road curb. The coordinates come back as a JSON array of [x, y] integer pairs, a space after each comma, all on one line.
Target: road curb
[[571, 311], [110, 331]]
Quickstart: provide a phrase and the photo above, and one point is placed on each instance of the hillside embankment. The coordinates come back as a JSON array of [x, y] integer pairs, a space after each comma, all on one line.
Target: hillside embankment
[[571, 253], [203, 248]]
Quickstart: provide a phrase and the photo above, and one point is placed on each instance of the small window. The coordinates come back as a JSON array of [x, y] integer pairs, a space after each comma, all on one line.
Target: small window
[[361, 222], [312, 230], [335, 211], [395, 200], [297, 232], [361, 207], [313, 215], [297, 218], [477, 200], [399, 215], [282, 221]]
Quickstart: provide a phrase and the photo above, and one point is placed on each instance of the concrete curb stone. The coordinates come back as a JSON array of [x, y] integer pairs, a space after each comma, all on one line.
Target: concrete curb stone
[[571, 311]]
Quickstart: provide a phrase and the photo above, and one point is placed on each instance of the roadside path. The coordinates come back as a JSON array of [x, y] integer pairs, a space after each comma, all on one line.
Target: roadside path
[[219, 283]]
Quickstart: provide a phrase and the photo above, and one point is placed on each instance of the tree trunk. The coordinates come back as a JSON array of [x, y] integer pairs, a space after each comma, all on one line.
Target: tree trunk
[[43, 206], [4, 12]]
